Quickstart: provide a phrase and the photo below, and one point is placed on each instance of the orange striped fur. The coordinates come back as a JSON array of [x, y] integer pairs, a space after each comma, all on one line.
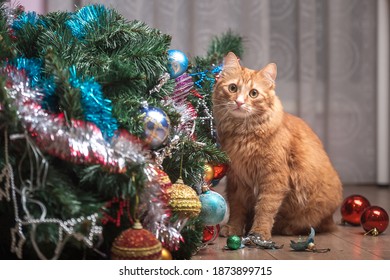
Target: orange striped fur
[[280, 180]]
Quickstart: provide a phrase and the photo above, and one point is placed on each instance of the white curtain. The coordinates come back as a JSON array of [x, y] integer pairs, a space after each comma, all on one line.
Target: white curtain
[[326, 53]]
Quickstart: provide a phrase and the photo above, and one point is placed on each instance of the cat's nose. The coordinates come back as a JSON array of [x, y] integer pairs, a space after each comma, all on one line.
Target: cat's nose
[[239, 103]]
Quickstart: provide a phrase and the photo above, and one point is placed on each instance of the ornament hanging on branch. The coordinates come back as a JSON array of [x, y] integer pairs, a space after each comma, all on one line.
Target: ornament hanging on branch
[[208, 173], [210, 233], [213, 208], [166, 254], [136, 243], [184, 202], [374, 220], [177, 63], [156, 126], [220, 171]]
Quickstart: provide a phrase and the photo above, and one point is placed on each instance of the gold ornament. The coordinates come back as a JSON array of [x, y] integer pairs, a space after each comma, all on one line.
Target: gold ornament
[[208, 172], [184, 200], [165, 254]]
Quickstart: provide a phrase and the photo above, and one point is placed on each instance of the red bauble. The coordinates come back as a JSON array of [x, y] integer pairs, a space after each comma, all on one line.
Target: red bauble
[[353, 207], [210, 233], [220, 171], [374, 219], [136, 244]]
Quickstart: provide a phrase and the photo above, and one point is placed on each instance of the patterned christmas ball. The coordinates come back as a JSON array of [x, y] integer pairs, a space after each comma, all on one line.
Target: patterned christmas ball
[[352, 208], [184, 200], [177, 63], [374, 220], [156, 127], [136, 244], [213, 208]]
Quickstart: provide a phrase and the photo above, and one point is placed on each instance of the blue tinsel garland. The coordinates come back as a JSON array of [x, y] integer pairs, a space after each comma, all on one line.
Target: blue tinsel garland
[[26, 18], [97, 109], [82, 18]]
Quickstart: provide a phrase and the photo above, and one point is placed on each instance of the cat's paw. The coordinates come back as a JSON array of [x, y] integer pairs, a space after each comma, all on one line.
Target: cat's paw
[[265, 235], [228, 230]]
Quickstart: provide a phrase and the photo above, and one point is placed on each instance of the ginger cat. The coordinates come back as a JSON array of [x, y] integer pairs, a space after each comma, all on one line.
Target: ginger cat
[[280, 180]]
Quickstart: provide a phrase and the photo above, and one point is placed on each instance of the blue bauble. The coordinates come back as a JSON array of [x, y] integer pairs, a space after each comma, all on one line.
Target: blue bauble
[[177, 63], [156, 127], [213, 208]]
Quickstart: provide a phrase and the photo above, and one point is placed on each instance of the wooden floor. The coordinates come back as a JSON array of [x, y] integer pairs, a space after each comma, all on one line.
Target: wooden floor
[[347, 243]]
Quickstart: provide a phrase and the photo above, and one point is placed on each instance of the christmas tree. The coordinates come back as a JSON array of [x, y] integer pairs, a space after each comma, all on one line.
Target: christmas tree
[[97, 118]]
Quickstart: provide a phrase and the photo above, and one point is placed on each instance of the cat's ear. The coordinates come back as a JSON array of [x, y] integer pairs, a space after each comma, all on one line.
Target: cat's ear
[[270, 71], [231, 61]]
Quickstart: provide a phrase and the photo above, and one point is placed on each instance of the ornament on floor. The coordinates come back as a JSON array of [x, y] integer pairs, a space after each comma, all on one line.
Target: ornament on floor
[[254, 239], [234, 242], [210, 233], [136, 243], [374, 220], [156, 126], [177, 63], [307, 244], [208, 172], [183, 201], [166, 254], [352, 208], [213, 208]]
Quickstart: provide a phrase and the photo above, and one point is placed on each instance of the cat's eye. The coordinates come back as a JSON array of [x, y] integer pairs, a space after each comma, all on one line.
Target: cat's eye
[[233, 88], [253, 93]]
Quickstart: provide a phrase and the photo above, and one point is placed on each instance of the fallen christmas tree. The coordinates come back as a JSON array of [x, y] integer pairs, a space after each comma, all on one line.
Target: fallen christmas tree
[[97, 118]]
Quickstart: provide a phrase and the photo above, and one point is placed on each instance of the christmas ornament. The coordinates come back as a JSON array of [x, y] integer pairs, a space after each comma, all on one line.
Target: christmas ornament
[[307, 244], [156, 126], [136, 244], [233, 242], [184, 200], [177, 63], [213, 207], [220, 171], [210, 233], [184, 85], [166, 254], [374, 220], [352, 208], [208, 172], [258, 241]]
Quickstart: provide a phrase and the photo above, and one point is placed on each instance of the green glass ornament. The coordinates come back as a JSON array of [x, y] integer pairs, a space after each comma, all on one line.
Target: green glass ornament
[[233, 242]]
